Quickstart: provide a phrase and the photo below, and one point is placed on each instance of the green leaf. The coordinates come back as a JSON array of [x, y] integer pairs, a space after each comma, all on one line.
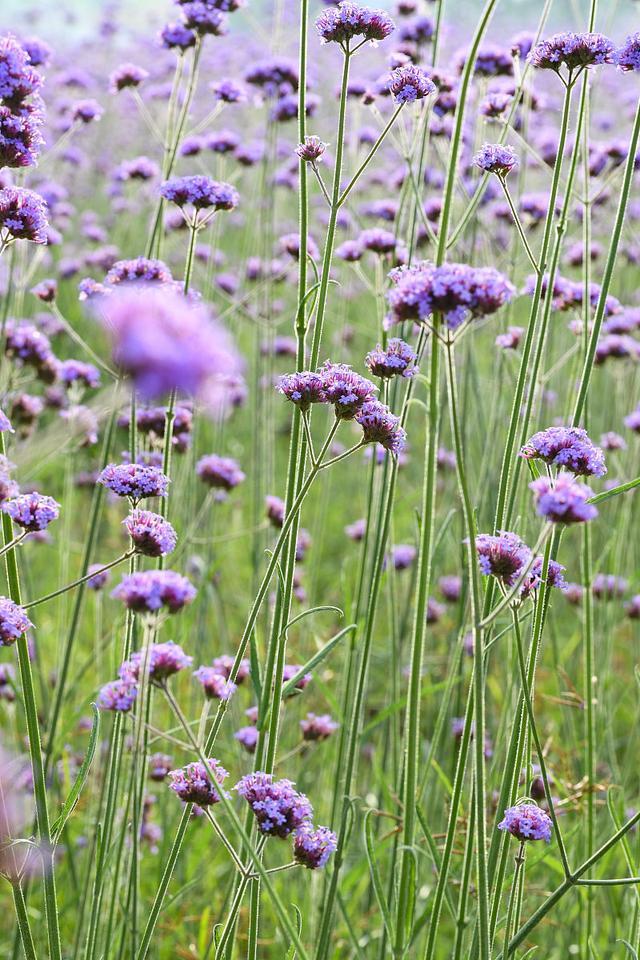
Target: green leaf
[[291, 952], [317, 658], [615, 491], [375, 877], [307, 613], [74, 794], [633, 952]]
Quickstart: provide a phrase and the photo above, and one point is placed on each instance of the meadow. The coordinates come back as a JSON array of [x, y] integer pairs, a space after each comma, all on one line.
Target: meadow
[[319, 426]]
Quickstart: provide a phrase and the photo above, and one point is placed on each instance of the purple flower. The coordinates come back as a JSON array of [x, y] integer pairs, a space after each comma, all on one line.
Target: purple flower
[[491, 61], [176, 35], [278, 808], [222, 473], [275, 509], [534, 579], [86, 111], [166, 343], [398, 359], [125, 76], [228, 91], [134, 480], [215, 685], [318, 727], [511, 339], [18, 79], [20, 137], [162, 660], [450, 587], [248, 737], [606, 586], [159, 766], [568, 447], [201, 193], [628, 56], [203, 18], [32, 511], [632, 608], [312, 846], [276, 77], [347, 20], [563, 501], [149, 590], [409, 83], [13, 622], [23, 216], [381, 426], [302, 388], [403, 556], [140, 269], [455, 290], [151, 534], [293, 669], [496, 158], [193, 783], [573, 50], [311, 149], [526, 821], [118, 695], [356, 530], [98, 579], [503, 556], [76, 371], [5, 424], [632, 421], [345, 389], [224, 666]]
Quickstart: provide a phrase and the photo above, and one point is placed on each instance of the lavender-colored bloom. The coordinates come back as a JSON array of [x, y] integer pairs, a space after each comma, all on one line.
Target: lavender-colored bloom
[[574, 593], [568, 447], [403, 556], [491, 61], [26, 343], [32, 511], [350, 251], [228, 91], [311, 149], [563, 501], [348, 20], [632, 420], [555, 577], [316, 727], [134, 480], [302, 388], [248, 737], [99, 577], [151, 535], [203, 18], [166, 343], [627, 57], [511, 339], [193, 783], [18, 79], [276, 76], [456, 290], [13, 622], [127, 75], [345, 389], [5, 423], [23, 216], [224, 666], [279, 808], [222, 473], [159, 766], [356, 530], [275, 509], [149, 590], [20, 137], [118, 695], [450, 587], [496, 158], [632, 608], [86, 111], [381, 426], [177, 36], [215, 685], [200, 192], [313, 846], [435, 611], [398, 359], [77, 371], [606, 586], [409, 82], [503, 556], [526, 821], [293, 669], [572, 50], [377, 240], [140, 269], [162, 660]]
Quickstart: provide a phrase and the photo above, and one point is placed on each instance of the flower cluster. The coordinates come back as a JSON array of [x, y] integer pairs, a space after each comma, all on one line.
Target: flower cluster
[[21, 115], [503, 556], [526, 821], [496, 158], [222, 473], [409, 83], [396, 359], [13, 622], [151, 535], [134, 480], [159, 660], [279, 809], [149, 590], [349, 21], [193, 783], [23, 216], [32, 511], [572, 50], [568, 447], [563, 500]]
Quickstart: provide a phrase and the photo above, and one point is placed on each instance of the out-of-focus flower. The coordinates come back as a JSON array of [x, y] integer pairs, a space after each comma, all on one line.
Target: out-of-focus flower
[[564, 500]]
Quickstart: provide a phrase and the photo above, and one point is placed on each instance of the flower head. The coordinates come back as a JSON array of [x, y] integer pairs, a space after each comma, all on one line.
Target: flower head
[[312, 846], [627, 57], [568, 447], [23, 215], [32, 511], [503, 556], [554, 578], [311, 149], [99, 577], [199, 192], [381, 426], [149, 590], [118, 695], [572, 50], [496, 158], [18, 79], [409, 83], [564, 500], [13, 622], [215, 685], [526, 821], [316, 727], [348, 21], [279, 808], [345, 389], [151, 534], [127, 75], [303, 388], [222, 473], [397, 359], [134, 480], [162, 660], [193, 783], [159, 766]]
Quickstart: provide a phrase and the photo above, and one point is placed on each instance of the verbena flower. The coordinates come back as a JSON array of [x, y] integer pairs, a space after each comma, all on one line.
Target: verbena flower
[[193, 783], [118, 695], [5, 423], [151, 534], [18, 79], [450, 587], [77, 371], [455, 290], [572, 50], [20, 137], [409, 83], [397, 359], [291, 670], [126, 76], [606, 586], [163, 660], [345, 389], [199, 192], [139, 270], [511, 339], [496, 158], [23, 216], [13, 622], [215, 685], [134, 480], [312, 846], [248, 738], [349, 21], [159, 766], [177, 36], [503, 556], [526, 821], [311, 149], [316, 727], [627, 57], [224, 666], [533, 580], [32, 511], [302, 388], [149, 590], [563, 500], [403, 556], [279, 808], [222, 473], [381, 426], [568, 447]]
